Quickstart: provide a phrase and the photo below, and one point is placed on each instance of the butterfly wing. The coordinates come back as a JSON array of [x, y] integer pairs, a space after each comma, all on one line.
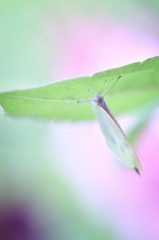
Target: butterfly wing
[[116, 139]]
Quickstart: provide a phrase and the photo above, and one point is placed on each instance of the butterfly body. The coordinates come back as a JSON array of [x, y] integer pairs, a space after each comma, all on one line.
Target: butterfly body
[[114, 135]]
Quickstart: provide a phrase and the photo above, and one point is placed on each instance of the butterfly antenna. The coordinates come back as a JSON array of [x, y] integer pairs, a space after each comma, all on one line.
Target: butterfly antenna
[[113, 84], [89, 89], [103, 86]]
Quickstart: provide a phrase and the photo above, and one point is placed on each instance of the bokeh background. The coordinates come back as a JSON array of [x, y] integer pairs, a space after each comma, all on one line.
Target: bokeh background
[[59, 180]]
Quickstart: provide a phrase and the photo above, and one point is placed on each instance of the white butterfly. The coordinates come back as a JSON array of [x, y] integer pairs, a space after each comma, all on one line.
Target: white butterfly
[[114, 135]]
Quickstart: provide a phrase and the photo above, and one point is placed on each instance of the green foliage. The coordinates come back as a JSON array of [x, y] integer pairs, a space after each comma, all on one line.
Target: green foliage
[[138, 87]]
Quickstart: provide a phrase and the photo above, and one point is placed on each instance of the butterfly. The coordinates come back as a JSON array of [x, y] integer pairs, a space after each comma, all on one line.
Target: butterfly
[[115, 138]]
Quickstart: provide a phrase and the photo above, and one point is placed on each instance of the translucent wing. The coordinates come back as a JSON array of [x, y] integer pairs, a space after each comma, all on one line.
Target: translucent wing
[[116, 139]]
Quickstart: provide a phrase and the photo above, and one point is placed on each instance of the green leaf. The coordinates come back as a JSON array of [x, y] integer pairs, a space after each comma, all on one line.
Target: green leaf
[[138, 86]]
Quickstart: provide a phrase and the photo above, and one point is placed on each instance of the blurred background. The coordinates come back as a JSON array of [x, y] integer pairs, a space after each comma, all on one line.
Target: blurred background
[[59, 180]]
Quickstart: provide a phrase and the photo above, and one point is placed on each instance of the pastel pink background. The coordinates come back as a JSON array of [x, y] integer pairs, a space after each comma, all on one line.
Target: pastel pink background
[[109, 190]]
